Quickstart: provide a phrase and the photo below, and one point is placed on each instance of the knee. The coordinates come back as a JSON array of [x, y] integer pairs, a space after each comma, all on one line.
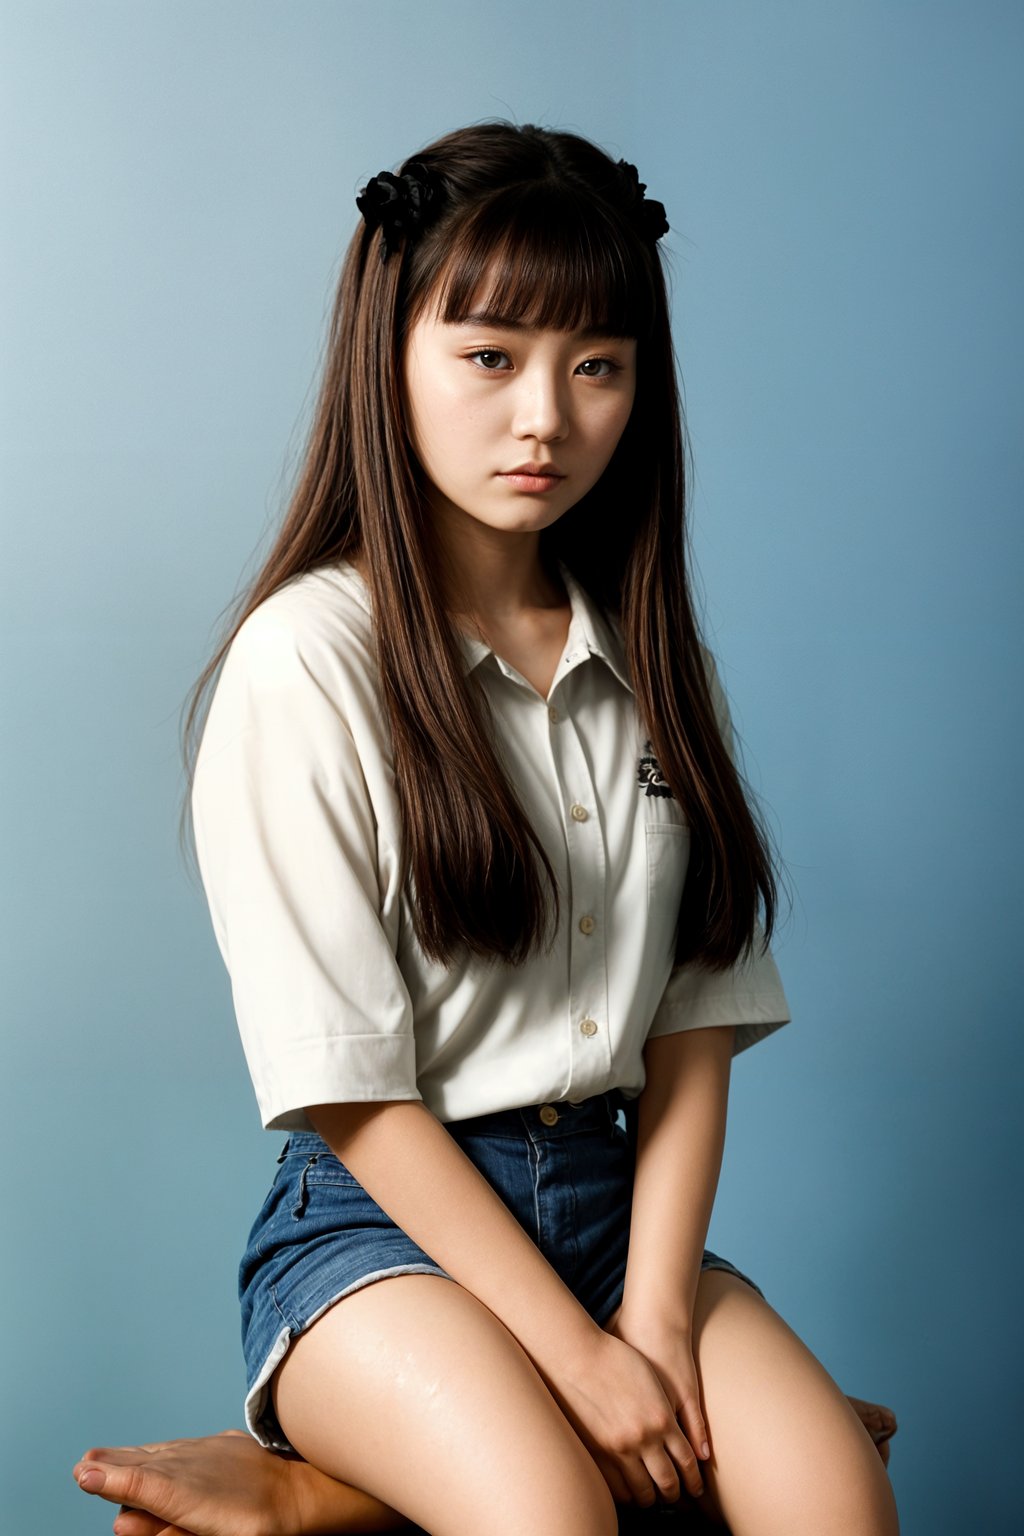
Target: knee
[[568, 1499], [832, 1480], [849, 1494], [875, 1514], [585, 1512]]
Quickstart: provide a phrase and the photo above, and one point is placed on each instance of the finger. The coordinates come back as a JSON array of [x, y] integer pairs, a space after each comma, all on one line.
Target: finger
[[663, 1473], [681, 1451], [694, 1427], [641, 1489]]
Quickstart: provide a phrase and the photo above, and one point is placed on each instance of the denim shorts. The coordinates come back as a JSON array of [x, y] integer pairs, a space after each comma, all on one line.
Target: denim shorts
[[564, 1170]]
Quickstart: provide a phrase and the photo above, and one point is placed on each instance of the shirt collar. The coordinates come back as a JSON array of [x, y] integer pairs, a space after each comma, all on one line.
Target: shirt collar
[[591, 633]]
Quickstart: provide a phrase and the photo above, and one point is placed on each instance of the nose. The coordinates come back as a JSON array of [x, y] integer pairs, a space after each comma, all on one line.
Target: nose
[[541, 410]]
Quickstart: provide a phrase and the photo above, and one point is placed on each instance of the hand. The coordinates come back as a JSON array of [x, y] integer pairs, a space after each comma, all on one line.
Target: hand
[[667, 1343], [617, 1404]]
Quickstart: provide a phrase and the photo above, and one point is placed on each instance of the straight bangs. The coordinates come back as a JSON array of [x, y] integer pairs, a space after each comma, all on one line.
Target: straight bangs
[[536, 255]]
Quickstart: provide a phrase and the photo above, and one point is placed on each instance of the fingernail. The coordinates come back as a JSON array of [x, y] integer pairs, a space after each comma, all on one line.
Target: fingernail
[[97, 1479], [705, 1450]]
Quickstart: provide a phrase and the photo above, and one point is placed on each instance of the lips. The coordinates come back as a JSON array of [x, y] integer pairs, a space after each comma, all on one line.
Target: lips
[[541, 470], [532, 479]]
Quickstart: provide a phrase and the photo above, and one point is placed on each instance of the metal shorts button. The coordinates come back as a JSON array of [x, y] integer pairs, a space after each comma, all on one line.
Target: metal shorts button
[[548, 1114]]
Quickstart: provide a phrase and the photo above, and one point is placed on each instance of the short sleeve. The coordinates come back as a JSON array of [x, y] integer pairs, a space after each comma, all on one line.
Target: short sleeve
[[750, 994], [287, 843]]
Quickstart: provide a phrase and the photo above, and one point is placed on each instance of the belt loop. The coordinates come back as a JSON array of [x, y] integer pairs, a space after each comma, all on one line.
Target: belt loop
[[299, 1207]]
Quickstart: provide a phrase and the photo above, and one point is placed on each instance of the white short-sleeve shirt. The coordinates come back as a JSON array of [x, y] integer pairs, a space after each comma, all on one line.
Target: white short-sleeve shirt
[[297, 834]]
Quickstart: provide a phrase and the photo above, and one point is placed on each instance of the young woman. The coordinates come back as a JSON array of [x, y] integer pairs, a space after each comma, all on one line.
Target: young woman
[[496, 914]]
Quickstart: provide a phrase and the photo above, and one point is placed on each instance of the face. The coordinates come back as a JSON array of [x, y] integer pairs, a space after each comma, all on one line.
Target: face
[[514, 425]]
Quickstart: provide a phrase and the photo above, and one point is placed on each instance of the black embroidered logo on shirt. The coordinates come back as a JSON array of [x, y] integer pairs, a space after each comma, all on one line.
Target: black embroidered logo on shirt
[[650, 777]]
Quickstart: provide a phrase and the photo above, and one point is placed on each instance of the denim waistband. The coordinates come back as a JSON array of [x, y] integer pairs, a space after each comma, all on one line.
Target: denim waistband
[[552, 1118]]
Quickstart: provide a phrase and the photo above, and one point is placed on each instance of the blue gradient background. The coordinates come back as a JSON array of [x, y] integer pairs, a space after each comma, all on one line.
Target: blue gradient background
[[843, 184]]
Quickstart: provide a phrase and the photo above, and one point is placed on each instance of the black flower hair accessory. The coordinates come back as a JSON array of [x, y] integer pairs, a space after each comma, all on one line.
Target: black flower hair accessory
[[400, 205], [647, 214]]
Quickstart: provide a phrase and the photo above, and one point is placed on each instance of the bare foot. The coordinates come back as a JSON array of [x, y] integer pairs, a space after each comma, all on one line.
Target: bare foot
[[225, 1485], [879, 1422]]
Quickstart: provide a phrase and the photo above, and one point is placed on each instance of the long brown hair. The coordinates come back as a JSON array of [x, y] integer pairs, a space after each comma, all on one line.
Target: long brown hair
[[546, 221]]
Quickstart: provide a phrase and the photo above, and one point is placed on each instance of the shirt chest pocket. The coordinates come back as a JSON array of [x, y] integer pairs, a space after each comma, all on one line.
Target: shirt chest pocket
[[668, 856]]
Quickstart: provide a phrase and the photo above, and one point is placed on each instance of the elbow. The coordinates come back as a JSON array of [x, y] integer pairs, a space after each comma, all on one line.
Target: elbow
[[339, 1124]]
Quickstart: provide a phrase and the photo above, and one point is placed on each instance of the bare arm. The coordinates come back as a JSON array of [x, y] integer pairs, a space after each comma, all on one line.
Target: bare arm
[[407, 1161], [415, 1170], [680, 1141]]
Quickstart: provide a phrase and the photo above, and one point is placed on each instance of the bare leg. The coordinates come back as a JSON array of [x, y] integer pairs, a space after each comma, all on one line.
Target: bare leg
[[226, 1485], [412, 1389], [789, 1454], [879, 1421]]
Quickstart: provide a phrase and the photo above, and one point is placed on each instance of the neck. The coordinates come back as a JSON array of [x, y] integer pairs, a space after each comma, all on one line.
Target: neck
[[488, 573]]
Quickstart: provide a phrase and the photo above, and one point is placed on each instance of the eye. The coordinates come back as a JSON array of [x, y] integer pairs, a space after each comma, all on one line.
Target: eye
[[489, 357], [593, 363]]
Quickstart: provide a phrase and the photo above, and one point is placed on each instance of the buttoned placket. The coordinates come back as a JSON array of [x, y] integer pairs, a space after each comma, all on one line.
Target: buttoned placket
[[589, 1037]]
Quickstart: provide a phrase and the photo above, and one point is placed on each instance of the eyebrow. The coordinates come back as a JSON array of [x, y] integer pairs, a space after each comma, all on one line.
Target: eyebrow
[[494, 319]]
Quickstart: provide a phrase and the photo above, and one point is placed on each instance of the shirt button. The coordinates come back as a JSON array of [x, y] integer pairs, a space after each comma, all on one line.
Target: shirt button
[[587, 924], [588, 1027], [579, 812], [552, 712], [548, 1114]]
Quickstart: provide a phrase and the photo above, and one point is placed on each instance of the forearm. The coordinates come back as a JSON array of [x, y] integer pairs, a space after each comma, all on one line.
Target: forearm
[[407, 1161], [680, 1142]]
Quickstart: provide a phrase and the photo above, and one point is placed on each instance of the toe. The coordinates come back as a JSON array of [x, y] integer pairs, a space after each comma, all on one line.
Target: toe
[[137, 1522], [91, 1477]]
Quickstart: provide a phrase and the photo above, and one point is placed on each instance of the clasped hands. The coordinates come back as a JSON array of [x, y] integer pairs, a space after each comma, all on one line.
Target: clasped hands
[[666, 1342]]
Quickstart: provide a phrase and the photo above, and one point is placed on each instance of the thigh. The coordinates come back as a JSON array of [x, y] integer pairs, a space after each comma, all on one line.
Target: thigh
[[411, 1389], [788, 1453]]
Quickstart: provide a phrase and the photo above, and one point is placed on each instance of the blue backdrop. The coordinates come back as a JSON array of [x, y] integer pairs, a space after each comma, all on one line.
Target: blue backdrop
[[843, 184]]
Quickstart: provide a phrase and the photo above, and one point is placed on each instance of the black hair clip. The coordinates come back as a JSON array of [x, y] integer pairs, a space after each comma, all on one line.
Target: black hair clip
[[400, 206], [647, 213]]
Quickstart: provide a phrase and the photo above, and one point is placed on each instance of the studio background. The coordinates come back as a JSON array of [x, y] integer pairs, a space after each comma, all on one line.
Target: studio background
[[843, 184]]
